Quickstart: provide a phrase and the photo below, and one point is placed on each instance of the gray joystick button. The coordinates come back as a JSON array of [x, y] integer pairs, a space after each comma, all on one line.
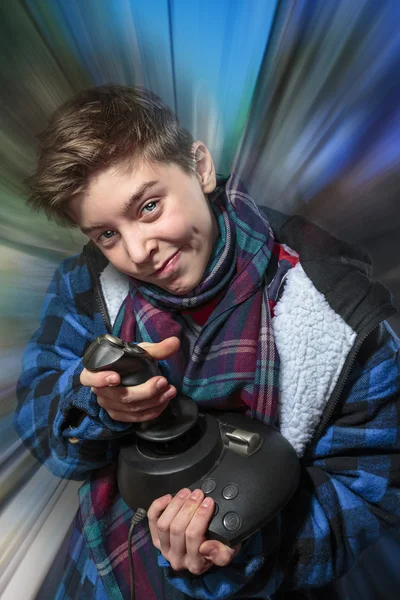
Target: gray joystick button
[[114, 340], [230, 491], [216, 507], [231, 521], [208, 486], [135, 350]]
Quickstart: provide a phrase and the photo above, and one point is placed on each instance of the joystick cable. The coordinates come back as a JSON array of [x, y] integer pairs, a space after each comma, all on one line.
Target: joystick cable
[[139, 515]]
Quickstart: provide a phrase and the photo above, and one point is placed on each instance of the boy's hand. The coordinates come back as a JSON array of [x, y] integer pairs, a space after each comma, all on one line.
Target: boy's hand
[[178, 526], [137, 403]]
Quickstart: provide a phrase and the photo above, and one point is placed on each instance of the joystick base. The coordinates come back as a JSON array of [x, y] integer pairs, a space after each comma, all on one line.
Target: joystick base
[[249, 469], [147, 471], [177, 419]]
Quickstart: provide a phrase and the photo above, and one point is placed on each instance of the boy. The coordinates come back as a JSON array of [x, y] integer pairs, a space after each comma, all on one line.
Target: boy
[[278, 317]]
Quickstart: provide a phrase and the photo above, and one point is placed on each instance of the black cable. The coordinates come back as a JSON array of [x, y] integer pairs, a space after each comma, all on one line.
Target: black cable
[[137, 517]]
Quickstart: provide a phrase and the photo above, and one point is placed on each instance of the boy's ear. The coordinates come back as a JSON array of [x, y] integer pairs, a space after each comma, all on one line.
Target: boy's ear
[[204, 167]]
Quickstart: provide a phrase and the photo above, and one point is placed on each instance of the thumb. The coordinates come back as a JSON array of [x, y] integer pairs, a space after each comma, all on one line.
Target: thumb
[[220, 554], [162, 349]]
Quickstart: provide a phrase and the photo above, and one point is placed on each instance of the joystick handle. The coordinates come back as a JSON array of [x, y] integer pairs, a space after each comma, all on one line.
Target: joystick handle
[[136, 366]]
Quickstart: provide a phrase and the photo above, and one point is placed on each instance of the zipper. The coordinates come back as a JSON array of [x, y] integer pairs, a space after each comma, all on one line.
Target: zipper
[[97, 293], [281, 286], [334, 399]]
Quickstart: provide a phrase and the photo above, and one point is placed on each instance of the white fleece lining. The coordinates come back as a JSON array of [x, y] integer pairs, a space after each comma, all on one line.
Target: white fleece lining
[[312, 340], [115, 287]]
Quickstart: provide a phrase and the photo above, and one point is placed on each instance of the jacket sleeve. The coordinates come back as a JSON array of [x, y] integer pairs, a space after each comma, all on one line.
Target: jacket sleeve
[[49, 393], [348, 497]]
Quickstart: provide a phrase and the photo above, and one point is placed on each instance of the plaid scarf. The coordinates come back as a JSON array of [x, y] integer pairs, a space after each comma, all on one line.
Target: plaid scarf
[[230, 362]]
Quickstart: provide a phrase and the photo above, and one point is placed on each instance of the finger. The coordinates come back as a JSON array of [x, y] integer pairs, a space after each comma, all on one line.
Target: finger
[[146, 391], [136, 393], [162, 349], [195, 535], [219, 554], [101, 380], [164, 528], [153, 514], [182, 529], [108, 401], [126, 417], [161, 400]]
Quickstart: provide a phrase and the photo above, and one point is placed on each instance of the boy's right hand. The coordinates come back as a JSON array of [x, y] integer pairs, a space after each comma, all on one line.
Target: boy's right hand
[[137, 403]]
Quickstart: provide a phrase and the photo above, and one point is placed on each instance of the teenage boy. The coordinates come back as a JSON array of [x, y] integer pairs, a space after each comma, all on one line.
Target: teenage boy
[[247, 310]]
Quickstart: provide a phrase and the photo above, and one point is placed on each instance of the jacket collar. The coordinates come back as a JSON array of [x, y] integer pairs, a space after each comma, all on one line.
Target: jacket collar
[[339, 270]]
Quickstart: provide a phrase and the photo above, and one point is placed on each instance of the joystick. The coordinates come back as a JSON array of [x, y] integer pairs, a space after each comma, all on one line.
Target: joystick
[[248, 468], [135, 366]]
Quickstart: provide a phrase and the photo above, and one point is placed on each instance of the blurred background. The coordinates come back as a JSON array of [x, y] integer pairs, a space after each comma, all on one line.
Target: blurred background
[[300, 97]]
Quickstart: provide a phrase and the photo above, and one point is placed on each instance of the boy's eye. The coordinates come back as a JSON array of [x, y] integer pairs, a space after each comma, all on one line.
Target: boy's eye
[[106, 235], [150, 206]]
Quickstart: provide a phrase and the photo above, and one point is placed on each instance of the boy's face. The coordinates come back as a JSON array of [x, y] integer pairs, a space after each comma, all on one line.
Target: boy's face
[[153, 223]]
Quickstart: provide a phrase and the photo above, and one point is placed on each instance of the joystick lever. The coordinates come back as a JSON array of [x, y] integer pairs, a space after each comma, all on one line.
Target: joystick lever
[[136, 366]]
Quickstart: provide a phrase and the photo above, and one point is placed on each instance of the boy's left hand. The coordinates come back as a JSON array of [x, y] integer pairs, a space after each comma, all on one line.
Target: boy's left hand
[[178, 526]]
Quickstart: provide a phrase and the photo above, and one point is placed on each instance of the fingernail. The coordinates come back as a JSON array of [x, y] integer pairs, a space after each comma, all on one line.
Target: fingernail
[[169, 395], [184, 493], [207, 502], [196, 494], [161, 383], [112, 379]]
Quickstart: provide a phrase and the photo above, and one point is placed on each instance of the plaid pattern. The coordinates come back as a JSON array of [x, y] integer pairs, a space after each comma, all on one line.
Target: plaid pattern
[[104, 517], [80, 578], [348, 496], [49, 387]]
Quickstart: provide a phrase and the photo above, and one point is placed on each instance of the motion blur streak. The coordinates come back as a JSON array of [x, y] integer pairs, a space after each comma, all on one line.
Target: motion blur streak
[[322, 138], [300, 97]]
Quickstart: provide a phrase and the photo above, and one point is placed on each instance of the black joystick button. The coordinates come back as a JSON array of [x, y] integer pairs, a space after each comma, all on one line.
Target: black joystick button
[[208, 486], [231, 521], [230, 491]]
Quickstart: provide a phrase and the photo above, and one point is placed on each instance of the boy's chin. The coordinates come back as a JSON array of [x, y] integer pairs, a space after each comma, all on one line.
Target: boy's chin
[[180, 288], [177, 288]]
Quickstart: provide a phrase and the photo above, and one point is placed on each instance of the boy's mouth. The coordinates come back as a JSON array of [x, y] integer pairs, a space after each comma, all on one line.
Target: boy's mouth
[[169, 265]]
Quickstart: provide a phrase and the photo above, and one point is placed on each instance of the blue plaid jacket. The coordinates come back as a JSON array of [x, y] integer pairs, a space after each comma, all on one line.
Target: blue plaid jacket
[[349, 494]]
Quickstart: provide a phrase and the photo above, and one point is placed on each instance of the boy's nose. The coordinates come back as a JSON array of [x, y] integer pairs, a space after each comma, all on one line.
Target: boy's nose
[[140, 250]]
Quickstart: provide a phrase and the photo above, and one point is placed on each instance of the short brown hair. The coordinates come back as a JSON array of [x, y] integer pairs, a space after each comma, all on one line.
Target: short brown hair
[[100, 127]]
